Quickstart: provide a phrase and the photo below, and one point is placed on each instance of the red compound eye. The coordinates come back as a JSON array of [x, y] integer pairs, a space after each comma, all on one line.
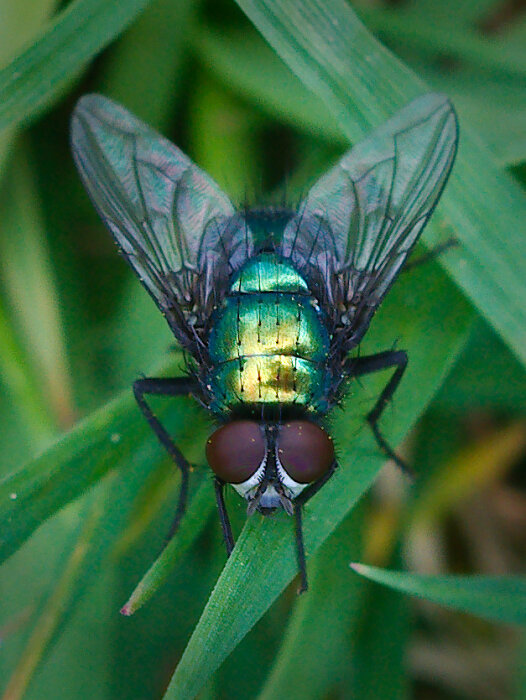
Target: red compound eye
[[305, 450], [235, 451]]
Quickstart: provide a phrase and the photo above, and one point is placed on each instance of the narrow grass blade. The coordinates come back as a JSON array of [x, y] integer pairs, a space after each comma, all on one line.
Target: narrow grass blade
[[310, 661], [73, 38], [104, 441], [199, 507], [19, 23], [501, 599], [30, 284], [381, 646], [248, 65], [54, 608], [19, 380], [143, 70], [446, 35]]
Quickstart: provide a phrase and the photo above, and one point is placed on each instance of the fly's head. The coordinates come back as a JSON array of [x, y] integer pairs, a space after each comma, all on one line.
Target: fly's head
[[270, 464]]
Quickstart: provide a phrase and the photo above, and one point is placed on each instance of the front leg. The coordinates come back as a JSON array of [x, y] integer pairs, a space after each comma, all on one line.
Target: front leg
[[177, 386], [361, 366], [298, 504], [226, 528]]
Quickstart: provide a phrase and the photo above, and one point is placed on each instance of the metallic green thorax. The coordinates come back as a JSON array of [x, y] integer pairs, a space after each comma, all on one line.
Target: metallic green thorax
[[269, 342]]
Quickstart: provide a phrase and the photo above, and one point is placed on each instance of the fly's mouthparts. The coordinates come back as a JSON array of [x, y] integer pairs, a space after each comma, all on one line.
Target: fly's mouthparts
[[254, 502], [284, 499]]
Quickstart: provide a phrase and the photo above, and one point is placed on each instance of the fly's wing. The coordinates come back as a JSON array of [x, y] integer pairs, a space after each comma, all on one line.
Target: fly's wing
[[360, 221], [169, 219]]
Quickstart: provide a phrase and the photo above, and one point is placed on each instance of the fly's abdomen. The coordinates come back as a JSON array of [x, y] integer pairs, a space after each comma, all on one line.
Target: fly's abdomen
[[269, 342]]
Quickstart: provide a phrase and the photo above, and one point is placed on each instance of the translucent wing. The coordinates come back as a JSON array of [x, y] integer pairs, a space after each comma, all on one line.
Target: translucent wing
[[169, 219], [360, 221]]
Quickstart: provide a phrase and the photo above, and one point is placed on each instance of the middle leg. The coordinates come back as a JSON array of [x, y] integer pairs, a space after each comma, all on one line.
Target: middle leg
[[368, 364]]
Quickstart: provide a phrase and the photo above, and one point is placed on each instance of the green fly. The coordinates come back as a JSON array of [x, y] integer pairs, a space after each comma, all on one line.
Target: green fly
[[267, 302]]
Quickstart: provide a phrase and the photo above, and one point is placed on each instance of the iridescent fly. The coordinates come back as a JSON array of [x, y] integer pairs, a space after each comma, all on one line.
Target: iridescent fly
[[267, 302]]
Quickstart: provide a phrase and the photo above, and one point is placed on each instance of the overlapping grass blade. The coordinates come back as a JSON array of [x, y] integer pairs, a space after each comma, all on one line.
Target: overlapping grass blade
[[31, 286], [199, 507], [493, 105], [75, 36], [104, 441], [384, 635], [57, 604], [497, 598], [448, 35], [310, 661]]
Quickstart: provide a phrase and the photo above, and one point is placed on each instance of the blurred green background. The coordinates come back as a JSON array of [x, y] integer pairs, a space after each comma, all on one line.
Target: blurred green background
[[82, 519]]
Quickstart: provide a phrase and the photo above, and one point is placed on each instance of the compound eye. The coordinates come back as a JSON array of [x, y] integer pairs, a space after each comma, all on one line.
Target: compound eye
[[235, 451], [305, 450]]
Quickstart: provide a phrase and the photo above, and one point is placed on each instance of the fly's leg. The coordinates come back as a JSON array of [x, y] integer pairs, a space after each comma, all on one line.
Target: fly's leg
[[360, 366], [299, 502], [223, 516], [178, 386], [312, 489], [300, 548]]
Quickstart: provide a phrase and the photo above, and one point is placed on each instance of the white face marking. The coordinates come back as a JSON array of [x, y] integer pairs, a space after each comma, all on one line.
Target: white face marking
[[270, 498], [251, 484]]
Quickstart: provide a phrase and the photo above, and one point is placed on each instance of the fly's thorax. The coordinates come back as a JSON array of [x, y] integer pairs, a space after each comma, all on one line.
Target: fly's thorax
[[268, 342]]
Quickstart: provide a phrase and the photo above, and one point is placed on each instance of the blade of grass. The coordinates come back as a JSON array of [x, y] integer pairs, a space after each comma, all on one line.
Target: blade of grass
[[19, 381], [312, 661], [380, 648], [446, 36], [470, 385], [20, 21], [143, 69], [362, 83], [30, 284], [248, 65], [263, 561], [74, 37], [490, 104], [501, 599], [96, 445], [199, 507], [222, 135], [54, 608]]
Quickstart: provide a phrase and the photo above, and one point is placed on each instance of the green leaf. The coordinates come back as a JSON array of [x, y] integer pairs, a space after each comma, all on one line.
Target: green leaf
[[21, 19], [263, 561], [19, 381], [492, 105], [196, 515], [224, 134], [108, 439], [73, 38], [31, 287], [311, 661], [471, 386], [445, 35], [248, 65], [496, 598], [58, 602], [362, 83], [380, 648], [143, 70]]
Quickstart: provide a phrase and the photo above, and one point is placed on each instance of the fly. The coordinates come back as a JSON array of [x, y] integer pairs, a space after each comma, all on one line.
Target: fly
[[267, 302]]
